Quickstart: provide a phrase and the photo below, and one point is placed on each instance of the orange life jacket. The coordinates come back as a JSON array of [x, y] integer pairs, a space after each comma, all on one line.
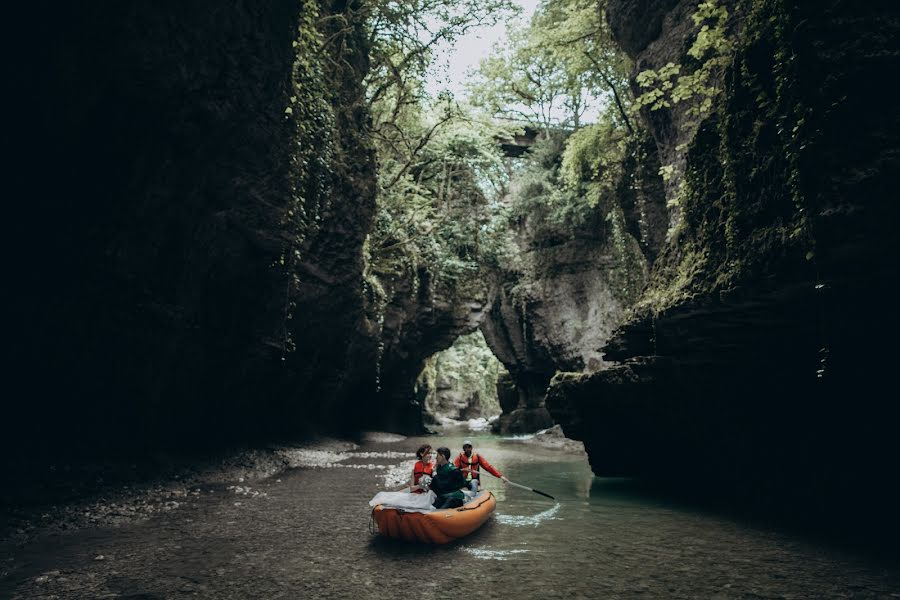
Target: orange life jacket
[[470, 465], [420, 469]]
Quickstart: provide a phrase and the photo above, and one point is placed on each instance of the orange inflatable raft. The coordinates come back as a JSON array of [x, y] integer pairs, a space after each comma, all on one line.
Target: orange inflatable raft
[[436, 527]]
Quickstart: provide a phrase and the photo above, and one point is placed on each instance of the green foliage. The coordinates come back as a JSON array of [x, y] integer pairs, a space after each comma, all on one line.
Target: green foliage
[[432, 207], [309, 112], [547, 74], [471, 368], [697, 83], [405, 36], [551, 71], [594, 154], [540, 199], [578, 37], [449, 205], [745, 192], [525, 81], [434, 159]]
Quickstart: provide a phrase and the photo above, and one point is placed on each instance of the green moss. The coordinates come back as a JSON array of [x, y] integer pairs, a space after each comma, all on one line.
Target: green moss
[[630, 275], [310, 111], [742, 194]]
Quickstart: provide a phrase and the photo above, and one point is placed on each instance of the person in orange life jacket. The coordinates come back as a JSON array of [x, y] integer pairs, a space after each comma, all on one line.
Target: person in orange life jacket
[[424, 466], [469, 463]]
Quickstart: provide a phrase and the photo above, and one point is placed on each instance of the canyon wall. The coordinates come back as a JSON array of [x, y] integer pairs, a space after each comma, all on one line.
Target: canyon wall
[[556, 298], [460, 383], [195, 190], [411, 316], [758, 357]]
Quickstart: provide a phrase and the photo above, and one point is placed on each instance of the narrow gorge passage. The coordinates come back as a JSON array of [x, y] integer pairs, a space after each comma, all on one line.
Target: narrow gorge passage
[[643, 252], [303, 533]]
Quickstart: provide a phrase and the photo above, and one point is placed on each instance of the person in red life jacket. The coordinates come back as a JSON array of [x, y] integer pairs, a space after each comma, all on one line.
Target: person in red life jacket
[[470, 464], [424, 467]]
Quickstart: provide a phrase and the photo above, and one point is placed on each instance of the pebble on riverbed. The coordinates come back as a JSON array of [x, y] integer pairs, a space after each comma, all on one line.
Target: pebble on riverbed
[[247, 491], [128, 501]]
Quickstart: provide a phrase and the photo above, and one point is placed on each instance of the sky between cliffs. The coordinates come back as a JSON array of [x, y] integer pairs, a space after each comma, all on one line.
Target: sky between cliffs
[[454, 62]]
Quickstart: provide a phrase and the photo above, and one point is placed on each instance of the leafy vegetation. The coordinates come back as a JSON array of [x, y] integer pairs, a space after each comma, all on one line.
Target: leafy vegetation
[[447, 199], [553, 71], [310, 112], [699, 81], [437, 161], [432, 210], [471, 370], [451, 209], [746, 199], [564, 77], [695, 83]]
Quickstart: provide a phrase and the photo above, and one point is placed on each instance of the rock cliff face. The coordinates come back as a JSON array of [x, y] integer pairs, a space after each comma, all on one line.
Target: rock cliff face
[[410, 319], [460, 383], [422, 295], [556, 305], [655, 33], [552, 315], [755, 358], [203, 186]]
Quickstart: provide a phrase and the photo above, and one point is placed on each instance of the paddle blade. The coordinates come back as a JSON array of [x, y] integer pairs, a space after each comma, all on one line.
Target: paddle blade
[[542, 493]]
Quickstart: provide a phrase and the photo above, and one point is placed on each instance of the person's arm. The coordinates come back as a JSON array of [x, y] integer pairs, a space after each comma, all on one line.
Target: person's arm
[[457, 462], [490, 469], [437, 483], [412, 480], [459, 480]]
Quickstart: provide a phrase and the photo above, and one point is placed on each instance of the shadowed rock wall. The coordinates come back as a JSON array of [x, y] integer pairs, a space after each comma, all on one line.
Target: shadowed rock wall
[[421, 296], [201, 218], [420, 317], [758, 356]]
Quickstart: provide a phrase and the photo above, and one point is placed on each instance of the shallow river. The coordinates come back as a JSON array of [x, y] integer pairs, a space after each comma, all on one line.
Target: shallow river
[[304, 534]]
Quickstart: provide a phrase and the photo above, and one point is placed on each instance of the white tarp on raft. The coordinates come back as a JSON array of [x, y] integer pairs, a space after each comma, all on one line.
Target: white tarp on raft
[[405, 500]]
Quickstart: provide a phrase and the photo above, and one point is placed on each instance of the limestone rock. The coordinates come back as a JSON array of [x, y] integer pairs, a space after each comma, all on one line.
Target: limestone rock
[[754, 358], [557, 307]]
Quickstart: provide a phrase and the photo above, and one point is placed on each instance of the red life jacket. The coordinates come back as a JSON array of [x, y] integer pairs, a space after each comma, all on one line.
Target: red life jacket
[[420, 469], [472, 463]]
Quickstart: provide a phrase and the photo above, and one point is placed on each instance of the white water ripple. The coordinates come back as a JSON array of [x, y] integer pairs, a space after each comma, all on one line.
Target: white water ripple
[[487, 554], [532, 521]]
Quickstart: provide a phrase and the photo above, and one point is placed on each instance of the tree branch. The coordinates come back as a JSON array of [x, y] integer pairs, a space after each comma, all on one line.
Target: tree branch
[[615, 92]]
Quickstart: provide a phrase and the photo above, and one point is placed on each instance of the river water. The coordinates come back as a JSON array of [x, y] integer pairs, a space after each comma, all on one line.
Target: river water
[[304, 534]]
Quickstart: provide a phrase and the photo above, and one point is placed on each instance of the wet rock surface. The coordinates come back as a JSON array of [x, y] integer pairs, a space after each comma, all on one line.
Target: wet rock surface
[[635, 24], [420, 317], [553, 438], [756, 356], [460, 383], [524, 420]]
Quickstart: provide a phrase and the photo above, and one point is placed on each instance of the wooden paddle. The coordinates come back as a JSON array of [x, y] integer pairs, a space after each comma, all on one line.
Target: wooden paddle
[[518, 485]]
